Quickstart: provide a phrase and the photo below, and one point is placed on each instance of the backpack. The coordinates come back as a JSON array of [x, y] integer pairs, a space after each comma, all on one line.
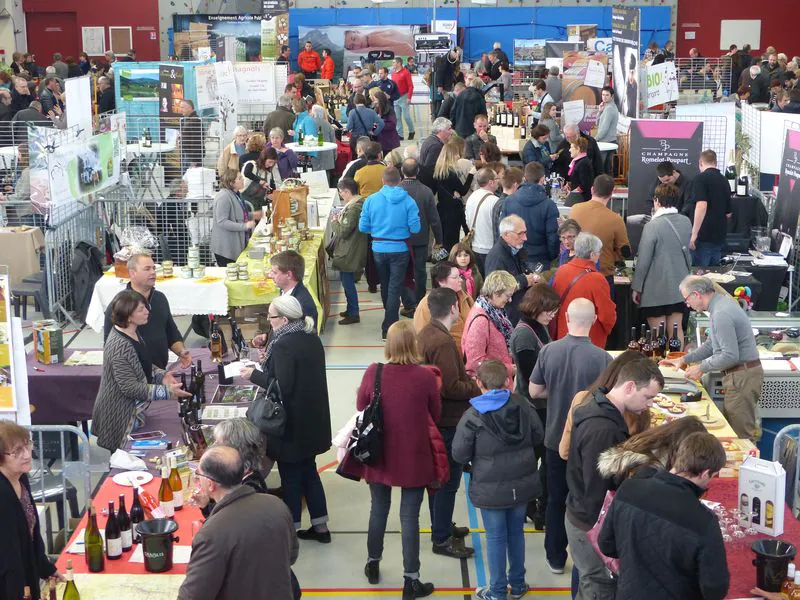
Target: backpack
[[366, 444]]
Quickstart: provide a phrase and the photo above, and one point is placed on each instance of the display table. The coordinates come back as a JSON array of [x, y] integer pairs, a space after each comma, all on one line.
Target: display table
[[208, 295], [740, 557], [19, 249]]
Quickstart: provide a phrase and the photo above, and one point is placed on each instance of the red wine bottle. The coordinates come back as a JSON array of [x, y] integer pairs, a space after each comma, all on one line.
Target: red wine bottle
[[113, 535], [124, 522]]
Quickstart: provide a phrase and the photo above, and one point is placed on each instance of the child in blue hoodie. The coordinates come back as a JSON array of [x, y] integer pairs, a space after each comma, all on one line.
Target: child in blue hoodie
[[498, 434]]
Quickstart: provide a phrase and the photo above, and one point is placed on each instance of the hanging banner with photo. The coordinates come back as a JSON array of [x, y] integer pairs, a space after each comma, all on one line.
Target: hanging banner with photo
[[84, 167], [529, 52], [230, 37], [653, 141], [787, 202], [255, 82], [625, 22], [205, 77], [662, 84], [227, 98], [361, 44], [583, 76], [170, 89], [274, 27]]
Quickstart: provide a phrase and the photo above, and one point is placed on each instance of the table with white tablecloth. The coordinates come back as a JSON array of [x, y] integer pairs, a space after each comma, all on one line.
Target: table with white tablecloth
[[205, 296]]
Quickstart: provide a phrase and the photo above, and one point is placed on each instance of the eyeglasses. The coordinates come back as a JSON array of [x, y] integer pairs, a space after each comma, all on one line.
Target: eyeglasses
[[274, 316], [199, 474], [21, 451], [686, 298], [523, 232]]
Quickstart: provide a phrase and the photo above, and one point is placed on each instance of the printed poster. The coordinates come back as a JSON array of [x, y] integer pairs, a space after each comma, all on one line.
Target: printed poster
[[255, 82], [229, 37], [227, 97], [662, 84], [170, 89], [7, 395], [583, 76], [653, 141], [529, 52], [205, 77], [274, 28], [625, 74], [787, 202]]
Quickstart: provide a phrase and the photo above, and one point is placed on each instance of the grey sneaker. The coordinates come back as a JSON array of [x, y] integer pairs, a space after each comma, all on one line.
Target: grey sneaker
[[520, 593]]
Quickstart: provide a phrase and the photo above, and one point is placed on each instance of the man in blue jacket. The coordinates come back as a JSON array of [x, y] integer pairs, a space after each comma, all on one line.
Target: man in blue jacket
[[390, 216], [539, 213]]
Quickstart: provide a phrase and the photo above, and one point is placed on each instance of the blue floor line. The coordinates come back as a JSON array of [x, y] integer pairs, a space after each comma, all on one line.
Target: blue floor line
[[480, 568]]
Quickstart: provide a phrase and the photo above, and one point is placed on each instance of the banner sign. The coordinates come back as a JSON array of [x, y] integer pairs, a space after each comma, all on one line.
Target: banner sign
[[787, 202], [662, 84], [170, 89], [205, 77], [653, 141], [227, 97], [7, 375], [255, 82], [625, 22], [583, 76], [529, 52], [274, 27], [230, 37]]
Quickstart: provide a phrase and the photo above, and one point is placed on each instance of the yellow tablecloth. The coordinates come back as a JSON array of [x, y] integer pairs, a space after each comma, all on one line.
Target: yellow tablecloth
[[253, 292]]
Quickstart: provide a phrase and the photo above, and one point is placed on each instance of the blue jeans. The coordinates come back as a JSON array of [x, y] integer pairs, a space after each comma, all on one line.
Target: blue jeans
[[706, 254], [443, 502], [392, 271], [410, 502], [402, 107], [412, 297], [505, 535], [301, 480], [555, 536], [349, 287]]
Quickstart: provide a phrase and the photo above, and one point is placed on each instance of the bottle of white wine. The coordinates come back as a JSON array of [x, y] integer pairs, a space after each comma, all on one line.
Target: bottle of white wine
[[93, 544], [165, 496], [70, 591], [175, 483]]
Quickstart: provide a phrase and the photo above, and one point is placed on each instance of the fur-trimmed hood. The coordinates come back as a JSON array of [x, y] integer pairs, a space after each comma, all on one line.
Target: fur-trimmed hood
[[617, 464]]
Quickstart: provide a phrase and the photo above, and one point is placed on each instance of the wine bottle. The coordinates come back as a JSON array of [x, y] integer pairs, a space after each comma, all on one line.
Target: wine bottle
[[198, 440], [730, 175], [113, 534], [93, 544], [175, 483], [52, 590], [516, 119], [183, 381], [215, 343], [653, 343], [320, 141], [124, 522], [742, 186], [200, 381], [300, 137], [166, 499], [662, 340], [674, 341], [644, 342], [633, 344], [523, 130], [70, 590], [137, 515], [756, 510], [192, 378]]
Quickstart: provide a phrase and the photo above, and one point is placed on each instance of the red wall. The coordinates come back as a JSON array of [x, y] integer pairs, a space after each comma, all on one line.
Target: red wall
[[775, 29], [133, 13]]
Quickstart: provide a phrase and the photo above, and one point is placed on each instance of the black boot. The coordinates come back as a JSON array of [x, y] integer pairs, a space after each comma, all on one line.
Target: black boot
[[414, 588], [372, 571]]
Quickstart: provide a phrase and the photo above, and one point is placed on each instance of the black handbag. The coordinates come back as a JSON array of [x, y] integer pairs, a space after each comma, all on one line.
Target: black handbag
[[367, 439], [267, 411]]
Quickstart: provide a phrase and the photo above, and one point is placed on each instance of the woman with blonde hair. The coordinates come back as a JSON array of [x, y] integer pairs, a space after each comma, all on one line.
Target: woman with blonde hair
[[255, 144], [487, 332], [229, 159], [295, 360], [450, 190], [410, 403]]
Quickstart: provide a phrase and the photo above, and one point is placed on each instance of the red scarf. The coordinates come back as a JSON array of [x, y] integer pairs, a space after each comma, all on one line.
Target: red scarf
[[469, 280]]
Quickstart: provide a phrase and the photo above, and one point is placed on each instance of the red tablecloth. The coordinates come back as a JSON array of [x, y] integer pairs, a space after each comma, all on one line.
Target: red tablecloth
[[740, 557], [111, 491]]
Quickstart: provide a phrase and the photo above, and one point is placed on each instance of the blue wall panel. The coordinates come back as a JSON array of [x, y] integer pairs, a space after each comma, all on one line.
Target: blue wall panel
[[484, 26]]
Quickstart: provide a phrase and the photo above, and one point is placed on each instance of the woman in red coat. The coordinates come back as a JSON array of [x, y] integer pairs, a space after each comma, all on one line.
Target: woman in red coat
[[328, 66], [409, 399]]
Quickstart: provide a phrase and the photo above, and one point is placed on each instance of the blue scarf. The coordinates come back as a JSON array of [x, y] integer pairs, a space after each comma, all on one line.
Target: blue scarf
[[497, 316]]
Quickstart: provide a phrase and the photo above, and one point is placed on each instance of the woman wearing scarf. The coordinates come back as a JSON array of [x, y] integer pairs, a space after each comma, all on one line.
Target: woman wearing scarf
[[287, 159], [296, 359], [487, 332], [232, 221], [229, 159], [581, 173]]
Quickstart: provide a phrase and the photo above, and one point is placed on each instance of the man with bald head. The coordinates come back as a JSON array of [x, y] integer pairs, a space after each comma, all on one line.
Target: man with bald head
[[561, 163], [222, 565], [564, 368]]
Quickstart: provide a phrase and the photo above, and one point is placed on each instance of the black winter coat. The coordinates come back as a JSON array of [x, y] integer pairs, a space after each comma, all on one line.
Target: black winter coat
[[23, 560], [451, 209], [500, 258], [530, 202], [468, 103], [561, 164], [298, 362], [597, 426], [583, 176], [669, 545], [86, 269], [499, 443]]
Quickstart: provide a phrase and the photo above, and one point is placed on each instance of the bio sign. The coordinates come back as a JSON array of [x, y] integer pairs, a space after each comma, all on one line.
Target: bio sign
[[662, 84]]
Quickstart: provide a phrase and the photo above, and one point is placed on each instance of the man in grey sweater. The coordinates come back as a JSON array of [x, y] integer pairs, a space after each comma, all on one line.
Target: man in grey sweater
[[730, 348], [429, 220]]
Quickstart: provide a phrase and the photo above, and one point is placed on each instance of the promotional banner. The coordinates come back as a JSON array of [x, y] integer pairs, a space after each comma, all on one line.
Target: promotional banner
[[448, 27], [274, 27], [205, 77], [255, 82], [82, 168], [230, 37], [584, 75], [138, 85], [581, 33], [662, 84], [529, 52], [787, 202], [227, 98], [653, 141], [7, 396], [170, 89], [361, 44], [625, 74]]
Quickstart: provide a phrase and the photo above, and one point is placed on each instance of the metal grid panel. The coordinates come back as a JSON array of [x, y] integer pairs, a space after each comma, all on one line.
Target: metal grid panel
[[713, 74], [751, 127], [715, 130]]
